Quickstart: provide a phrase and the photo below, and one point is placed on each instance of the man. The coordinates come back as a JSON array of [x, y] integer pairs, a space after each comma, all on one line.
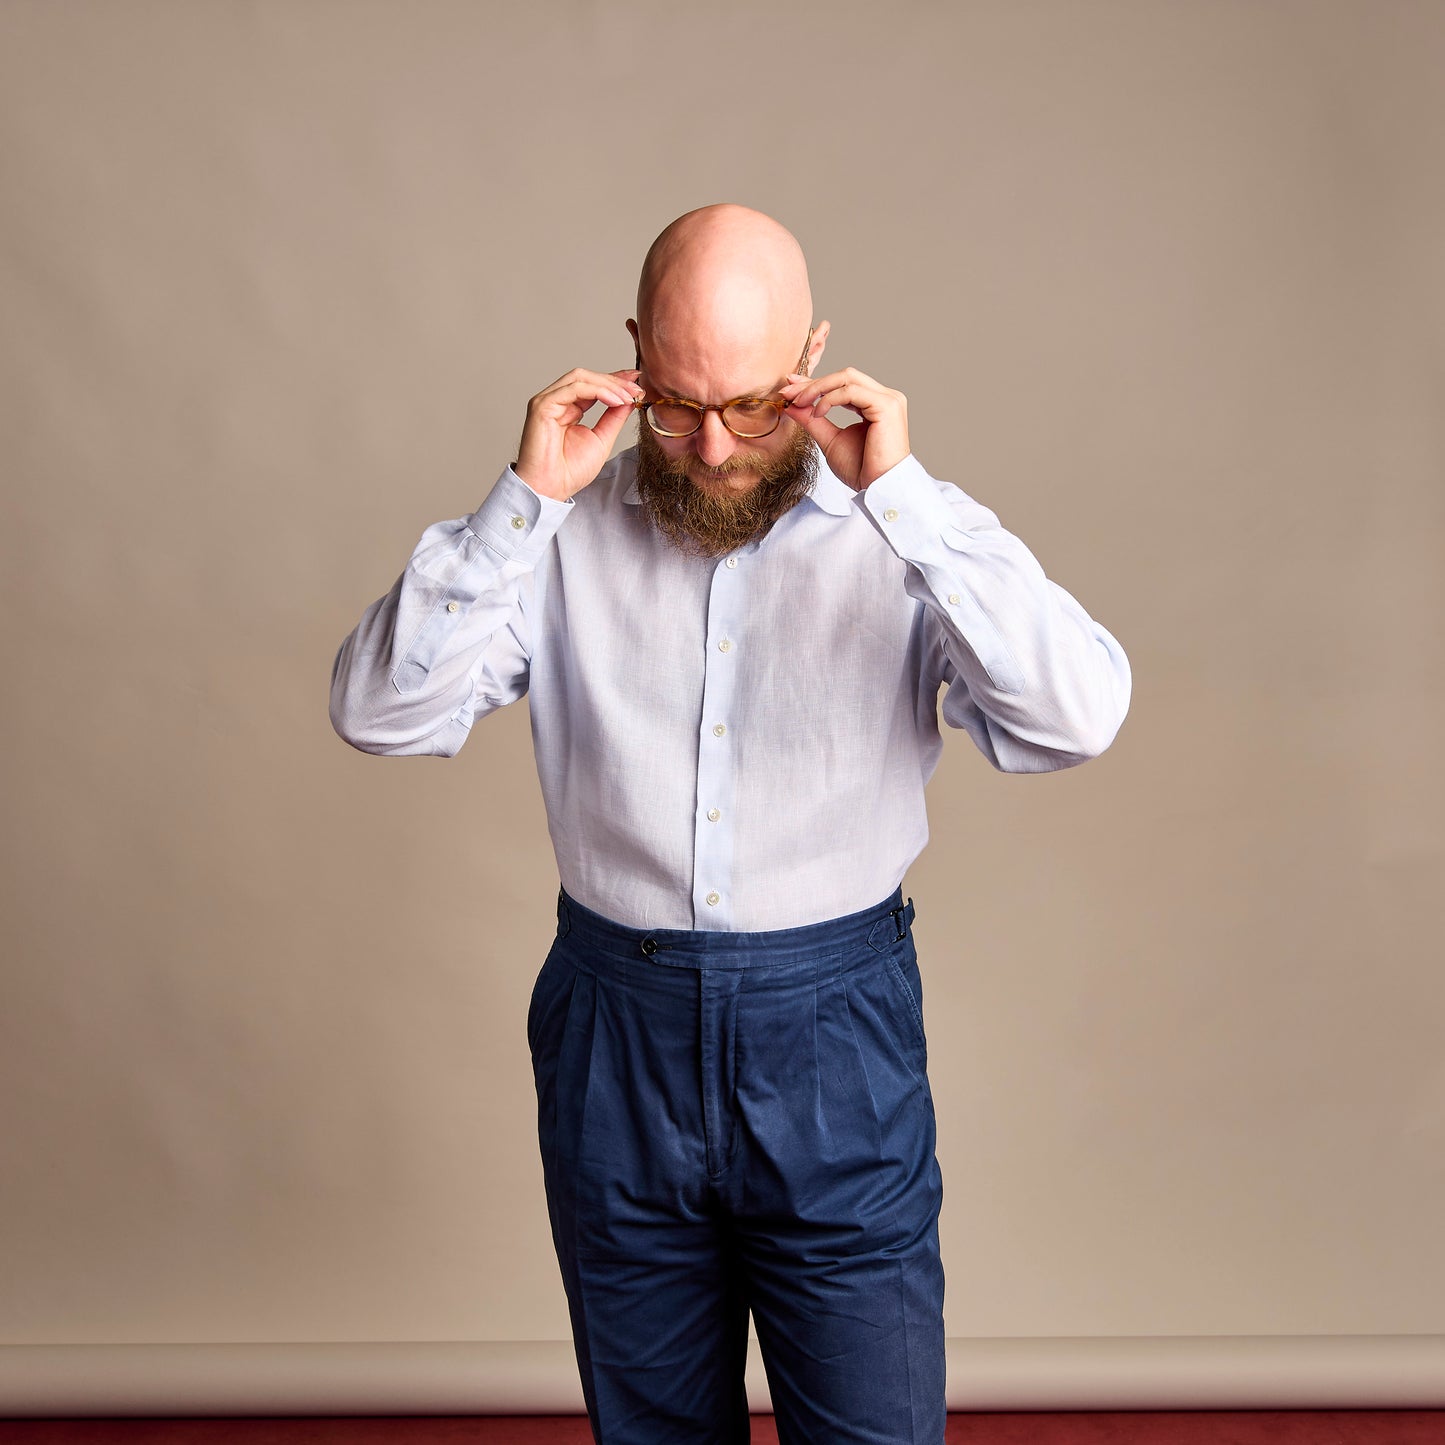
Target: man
[[734, 637]]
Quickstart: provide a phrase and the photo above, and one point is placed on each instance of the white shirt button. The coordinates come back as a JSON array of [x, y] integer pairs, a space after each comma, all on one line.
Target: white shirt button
[[519, 522], [713, 900], [718, 729], [724, 646], [954, 599], [891, 515], [732, 561], [452, 606], [713, 815]]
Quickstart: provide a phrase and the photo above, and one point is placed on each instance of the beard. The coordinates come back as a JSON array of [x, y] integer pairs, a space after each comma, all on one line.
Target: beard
[[708, 524]]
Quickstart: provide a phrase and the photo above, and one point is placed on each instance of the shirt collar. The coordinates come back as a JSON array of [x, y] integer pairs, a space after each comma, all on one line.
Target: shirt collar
[[829, 493]]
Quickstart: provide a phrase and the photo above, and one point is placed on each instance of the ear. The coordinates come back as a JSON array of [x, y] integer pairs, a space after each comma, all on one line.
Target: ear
[[636, 344], [815, 350]]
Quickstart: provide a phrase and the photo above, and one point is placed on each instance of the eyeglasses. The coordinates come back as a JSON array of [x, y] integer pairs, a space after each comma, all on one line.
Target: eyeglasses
[[750, 417]]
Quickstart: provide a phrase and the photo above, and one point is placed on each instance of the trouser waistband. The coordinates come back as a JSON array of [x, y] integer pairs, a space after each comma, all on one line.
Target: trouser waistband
[[878, 927]]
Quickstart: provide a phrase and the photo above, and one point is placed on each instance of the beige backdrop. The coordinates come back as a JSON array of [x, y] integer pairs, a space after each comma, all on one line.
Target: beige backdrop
[[1163, 283]]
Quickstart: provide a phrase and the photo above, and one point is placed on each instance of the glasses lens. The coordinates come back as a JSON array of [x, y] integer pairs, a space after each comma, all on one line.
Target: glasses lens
[[752, 418], [673, 419]]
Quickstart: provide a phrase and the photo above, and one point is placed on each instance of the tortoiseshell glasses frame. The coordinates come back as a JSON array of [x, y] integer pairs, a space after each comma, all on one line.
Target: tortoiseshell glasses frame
[[752, 416]]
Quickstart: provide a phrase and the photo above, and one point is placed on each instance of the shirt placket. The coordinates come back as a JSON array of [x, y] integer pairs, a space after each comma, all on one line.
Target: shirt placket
[[713, 823]]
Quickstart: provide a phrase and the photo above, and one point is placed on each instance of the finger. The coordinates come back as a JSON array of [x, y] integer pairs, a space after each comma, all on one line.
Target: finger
[[627, 384], [581, 376], [866, 404], [814, 391], [807, 391], [802, 390], [584, 388], [799, 383], [822, 405], [563, 410], [868, 399]]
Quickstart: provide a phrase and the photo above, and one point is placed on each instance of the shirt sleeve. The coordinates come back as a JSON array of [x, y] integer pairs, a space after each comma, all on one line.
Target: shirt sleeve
[[1033, 679], [451, 641]]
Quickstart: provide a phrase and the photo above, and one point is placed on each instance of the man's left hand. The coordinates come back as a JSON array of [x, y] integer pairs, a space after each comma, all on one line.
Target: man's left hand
[[862, 451]]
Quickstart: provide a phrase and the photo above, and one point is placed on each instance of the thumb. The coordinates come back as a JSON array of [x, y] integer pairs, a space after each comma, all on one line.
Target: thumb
[[610, 423], [817, 426]]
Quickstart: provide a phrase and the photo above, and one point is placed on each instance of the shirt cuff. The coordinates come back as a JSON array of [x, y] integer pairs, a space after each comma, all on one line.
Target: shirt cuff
[[909, 509], [515, 523]]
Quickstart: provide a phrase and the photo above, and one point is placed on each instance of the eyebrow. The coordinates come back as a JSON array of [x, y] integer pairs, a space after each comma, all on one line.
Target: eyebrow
[[760, 393]]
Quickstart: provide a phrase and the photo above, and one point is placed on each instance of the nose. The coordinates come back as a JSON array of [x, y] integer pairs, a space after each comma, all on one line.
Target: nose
[[712, 441]]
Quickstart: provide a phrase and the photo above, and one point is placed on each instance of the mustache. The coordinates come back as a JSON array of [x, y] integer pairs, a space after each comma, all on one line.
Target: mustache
[[737, 463]]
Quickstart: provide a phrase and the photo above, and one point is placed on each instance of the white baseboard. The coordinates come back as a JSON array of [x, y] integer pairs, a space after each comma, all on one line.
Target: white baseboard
[[1218, 1372]]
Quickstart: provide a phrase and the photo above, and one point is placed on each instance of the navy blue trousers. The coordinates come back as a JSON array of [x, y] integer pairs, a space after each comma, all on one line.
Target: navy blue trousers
[[737, 1123]]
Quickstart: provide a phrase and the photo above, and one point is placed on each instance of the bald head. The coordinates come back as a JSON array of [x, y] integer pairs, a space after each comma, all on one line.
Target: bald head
[[722, 288]]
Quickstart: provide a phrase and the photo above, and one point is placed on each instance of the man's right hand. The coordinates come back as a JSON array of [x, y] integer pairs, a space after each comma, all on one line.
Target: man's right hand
[[559, 456]]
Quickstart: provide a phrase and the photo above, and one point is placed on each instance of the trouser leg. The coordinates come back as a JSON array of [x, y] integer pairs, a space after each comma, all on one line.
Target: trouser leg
[[840, 1212], [658, 1308]]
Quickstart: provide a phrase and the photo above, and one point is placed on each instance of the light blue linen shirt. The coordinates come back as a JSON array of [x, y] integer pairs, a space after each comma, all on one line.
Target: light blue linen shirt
[[742, 742]]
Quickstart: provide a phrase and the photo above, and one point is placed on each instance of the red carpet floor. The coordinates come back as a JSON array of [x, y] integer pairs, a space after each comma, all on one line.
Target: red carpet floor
[[1141, 1427]]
